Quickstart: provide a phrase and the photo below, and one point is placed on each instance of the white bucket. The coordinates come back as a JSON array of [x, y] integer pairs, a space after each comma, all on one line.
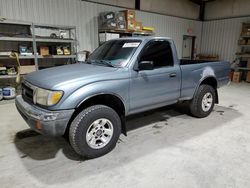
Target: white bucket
[[1, 94], [9, 93]]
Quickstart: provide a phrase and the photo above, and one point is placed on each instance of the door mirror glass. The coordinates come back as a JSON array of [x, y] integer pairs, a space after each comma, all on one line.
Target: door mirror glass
[[146, 65]]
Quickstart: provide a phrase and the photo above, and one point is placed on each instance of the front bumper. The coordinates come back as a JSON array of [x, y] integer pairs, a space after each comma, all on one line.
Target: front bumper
[[52, 123]]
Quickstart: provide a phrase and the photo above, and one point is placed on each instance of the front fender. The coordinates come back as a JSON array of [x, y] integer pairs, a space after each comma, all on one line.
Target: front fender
[[118, 88]]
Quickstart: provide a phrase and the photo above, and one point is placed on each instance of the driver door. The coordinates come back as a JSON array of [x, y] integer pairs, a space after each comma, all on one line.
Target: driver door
[[159, 86]]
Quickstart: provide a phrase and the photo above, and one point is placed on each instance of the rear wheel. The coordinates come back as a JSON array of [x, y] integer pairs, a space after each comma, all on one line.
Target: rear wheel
[[203, 102], [95, 131]]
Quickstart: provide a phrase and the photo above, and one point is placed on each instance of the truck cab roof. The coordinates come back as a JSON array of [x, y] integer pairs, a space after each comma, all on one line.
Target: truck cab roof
[[143, 38]]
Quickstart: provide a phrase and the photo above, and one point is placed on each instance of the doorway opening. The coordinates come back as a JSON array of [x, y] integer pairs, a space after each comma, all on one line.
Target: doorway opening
[[188, 47]]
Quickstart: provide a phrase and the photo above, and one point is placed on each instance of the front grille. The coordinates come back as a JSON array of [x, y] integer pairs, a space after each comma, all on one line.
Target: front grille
[[27, 92]]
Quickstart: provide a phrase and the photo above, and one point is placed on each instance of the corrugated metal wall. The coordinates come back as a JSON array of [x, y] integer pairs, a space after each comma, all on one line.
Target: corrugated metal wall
[[83, 15], [221, 37], [171, 27]]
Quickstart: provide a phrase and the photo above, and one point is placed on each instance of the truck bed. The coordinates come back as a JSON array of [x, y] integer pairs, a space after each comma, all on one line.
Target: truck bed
[[194, 71], [189, 62]]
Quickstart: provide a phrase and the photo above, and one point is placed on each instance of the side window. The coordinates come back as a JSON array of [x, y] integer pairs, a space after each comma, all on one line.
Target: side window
[[159, 52]]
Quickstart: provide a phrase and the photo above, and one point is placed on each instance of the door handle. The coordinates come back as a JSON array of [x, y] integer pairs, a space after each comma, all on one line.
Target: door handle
[[172, 75]]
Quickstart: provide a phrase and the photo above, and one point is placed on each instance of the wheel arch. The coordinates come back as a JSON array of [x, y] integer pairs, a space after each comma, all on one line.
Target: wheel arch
[[212, 81], [108, 99]]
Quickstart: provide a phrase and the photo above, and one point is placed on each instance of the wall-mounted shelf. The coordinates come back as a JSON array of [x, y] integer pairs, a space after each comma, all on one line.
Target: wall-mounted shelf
[[105, 35], [20, 57], [243, 55], [245, 36], [57, 56], [130, 32], [244, 45], [55, 40], [21, 39], [42, 57], [7, 76]]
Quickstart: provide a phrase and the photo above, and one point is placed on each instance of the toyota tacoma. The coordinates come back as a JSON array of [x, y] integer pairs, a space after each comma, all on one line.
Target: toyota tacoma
[[89, 101]]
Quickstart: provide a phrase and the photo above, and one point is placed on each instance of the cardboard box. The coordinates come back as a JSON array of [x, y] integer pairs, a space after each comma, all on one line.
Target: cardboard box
[[121, 25], [111, 24], [106, 16], [120, 17], [138, 26], [27, 69], [129, 14], [242, 42], [131, 24], [236, 77], [44, 50], [66, 50], [248, 76]]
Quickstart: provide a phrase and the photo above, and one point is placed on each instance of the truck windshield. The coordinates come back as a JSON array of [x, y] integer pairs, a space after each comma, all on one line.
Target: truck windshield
[[114, 53]]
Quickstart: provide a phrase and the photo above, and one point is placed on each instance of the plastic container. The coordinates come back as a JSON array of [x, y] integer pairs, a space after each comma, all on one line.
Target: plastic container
[[1, 94], [9, 93]]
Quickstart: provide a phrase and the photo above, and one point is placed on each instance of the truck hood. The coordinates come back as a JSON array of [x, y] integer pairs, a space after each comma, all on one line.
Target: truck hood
[[72, 76]]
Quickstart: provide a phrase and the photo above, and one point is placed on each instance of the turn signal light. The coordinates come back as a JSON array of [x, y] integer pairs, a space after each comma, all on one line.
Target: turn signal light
[[38, 125]]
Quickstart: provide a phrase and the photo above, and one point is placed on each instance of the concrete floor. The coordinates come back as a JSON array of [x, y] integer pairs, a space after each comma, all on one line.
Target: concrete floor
[[168, 149]]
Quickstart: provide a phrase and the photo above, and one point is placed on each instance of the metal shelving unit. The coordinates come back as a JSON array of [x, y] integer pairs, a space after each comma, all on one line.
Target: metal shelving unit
[[70, 40], [35, 40], [243, 54]]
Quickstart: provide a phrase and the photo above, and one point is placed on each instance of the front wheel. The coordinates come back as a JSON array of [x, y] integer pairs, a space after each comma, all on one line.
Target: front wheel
[[203, 102], [95, 131]]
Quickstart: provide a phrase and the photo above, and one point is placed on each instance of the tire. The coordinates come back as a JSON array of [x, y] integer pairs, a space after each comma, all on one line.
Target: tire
[[197, 106], [86, 132]]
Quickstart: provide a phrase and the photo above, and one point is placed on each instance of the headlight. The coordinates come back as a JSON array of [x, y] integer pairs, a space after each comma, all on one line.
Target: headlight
[[46, 97]]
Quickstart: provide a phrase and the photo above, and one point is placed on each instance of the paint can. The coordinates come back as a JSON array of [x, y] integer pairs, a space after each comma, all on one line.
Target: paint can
[[9, 93]]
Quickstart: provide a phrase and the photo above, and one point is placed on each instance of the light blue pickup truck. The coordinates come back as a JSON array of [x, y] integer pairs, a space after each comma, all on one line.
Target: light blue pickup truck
[[88, 102]]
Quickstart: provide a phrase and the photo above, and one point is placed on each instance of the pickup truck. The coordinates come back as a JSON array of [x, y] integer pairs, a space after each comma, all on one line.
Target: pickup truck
[[88, 102]]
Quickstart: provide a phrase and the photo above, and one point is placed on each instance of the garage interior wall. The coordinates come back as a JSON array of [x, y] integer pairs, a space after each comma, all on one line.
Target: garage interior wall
[[227, 9], [221, 31], [178, 8], [121, 3], [84, 14], [221, 37], [218, 36]]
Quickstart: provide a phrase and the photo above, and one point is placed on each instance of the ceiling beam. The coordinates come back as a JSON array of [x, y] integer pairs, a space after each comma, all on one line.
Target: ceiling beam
[[202, 4], [138, 4], [202, 11], [198, 2]]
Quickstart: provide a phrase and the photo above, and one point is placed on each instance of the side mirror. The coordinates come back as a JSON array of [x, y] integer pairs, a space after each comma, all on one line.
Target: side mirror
[[146, 65]]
